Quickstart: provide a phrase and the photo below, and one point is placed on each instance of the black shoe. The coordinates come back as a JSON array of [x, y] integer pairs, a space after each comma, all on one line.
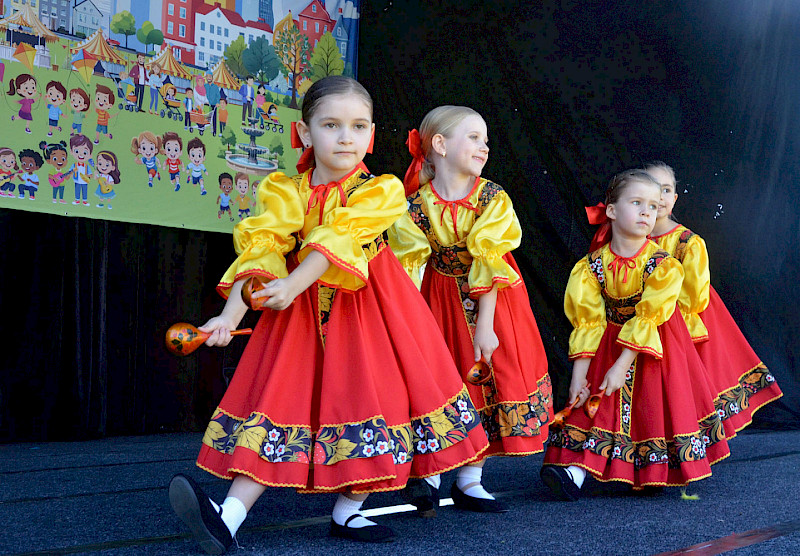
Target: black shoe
[[560, 483], [370, 533], [472, 504], [422, 495], [195, 510]]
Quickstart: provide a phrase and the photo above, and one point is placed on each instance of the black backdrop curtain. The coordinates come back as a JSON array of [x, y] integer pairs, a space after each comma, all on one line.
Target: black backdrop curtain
[[572, 93]]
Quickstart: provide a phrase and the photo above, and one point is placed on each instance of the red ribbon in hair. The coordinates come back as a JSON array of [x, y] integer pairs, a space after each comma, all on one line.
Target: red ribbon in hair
[[307, 158], [597, 216], [411, 180]]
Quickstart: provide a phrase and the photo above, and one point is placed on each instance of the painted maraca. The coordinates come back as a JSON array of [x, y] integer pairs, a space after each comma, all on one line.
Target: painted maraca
[[183, 338], [593, 404], [251, 286], [479, 373]]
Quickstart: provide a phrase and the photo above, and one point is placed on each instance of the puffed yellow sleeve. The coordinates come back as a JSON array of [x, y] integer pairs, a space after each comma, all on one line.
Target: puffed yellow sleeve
[[262, 241], [494, 233], [586, 310], [659, 298], [410, 246], [695, 291], [371, 209]]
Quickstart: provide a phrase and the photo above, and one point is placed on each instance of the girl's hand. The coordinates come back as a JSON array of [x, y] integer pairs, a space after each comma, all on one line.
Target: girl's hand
[[281, 293], [484, 343], [615, 378], [579, 386], [220, 328]]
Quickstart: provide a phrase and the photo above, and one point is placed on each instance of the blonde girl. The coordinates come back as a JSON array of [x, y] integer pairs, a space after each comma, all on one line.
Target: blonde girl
[[148, 145]]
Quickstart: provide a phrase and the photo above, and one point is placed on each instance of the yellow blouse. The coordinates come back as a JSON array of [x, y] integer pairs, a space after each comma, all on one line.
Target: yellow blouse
[[697, 278], [585, 305], [338, 223], [486, 237]]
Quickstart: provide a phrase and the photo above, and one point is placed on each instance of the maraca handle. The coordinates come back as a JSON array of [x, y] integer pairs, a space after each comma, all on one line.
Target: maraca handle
[[242, 332]]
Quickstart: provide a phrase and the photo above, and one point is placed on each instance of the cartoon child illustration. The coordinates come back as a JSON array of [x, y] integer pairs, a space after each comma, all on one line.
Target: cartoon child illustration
[[30, 161], [188, 106], [79, 100], [56, 95], [24, 85], [254, 191], [224, 199], [222, 114], [170, 93], [173, 147], [8, 171], [197, 155], [243, 188], [103, 99], [147, 145], [107, 177], [81, 171], [55, 154]]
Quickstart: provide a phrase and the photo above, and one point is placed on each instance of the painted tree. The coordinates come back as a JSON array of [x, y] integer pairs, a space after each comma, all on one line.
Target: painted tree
[[123, 23], [260, 61], [148, 34], [326, 59], [292, 48], [233, 57]]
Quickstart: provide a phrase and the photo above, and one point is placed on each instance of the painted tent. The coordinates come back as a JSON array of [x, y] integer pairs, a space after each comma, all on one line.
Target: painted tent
[[170, 66]]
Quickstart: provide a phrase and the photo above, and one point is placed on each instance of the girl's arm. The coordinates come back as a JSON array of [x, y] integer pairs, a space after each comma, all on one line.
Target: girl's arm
[[485, 340], [283, 291], [228, 319], [615, 377], [578, 386]]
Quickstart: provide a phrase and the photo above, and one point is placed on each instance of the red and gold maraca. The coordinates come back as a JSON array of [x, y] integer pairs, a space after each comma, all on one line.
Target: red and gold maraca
[[251, 286], [479, 373], [183, 338], [593, 404]]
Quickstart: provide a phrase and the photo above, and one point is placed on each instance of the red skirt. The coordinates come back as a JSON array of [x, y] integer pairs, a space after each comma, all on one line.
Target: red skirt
[[516, 404], [377, 401], [742, 382], [661, 428]]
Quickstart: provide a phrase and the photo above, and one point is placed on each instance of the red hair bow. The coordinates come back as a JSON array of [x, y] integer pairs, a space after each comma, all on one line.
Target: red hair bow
[[411, 180], [597, 216]]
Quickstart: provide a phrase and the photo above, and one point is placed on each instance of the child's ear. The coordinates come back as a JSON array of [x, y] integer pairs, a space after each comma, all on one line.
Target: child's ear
[[304, 133], [611, 212]]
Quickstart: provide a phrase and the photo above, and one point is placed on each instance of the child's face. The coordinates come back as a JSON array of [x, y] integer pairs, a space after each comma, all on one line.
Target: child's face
[[467, 146], [254, 189], [81, 152], [54, 96], [668, 193], [172, 149], [101, 100], [147, 148], [339, 131], [28, 89], [77, 101], [28, 164], [105, 165], [58, 158], [634, 214], [242, 186], [171, 92], [8, 161], [226, 185], [196, 155], [223, 103]]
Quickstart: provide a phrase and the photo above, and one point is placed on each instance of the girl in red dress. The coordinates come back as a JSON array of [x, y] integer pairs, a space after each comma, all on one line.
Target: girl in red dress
[[346, 385], [464, 227], [741, 381], [656, 424]]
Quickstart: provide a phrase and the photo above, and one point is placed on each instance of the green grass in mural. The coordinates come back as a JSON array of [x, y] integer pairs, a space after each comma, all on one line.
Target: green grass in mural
[[135, 201]]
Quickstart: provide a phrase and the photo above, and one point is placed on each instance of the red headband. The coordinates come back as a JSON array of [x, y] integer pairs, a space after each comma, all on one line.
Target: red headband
[[307, 158], [411, 179], [597, 216]]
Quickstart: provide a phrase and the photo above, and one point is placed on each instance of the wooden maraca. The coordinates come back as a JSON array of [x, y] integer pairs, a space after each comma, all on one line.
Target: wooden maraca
[[479, 373], [251, 286], [558, 418], [183, 338], [593, 404]]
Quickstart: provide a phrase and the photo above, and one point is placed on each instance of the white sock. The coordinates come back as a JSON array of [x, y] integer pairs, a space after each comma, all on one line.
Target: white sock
[[434, 480], [471, 474], [344, 508], [577, 474], [233, 514]]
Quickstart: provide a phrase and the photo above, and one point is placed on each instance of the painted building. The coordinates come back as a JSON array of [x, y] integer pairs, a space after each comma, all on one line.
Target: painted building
[[341, 36], [87, 18], [55, 14], [215, 28], [177, 19], [314, 22]]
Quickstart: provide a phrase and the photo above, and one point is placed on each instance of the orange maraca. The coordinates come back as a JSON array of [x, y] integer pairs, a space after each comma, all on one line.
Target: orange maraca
[[479, 373], [593, 404], [183, 338], [558, 418], [251, 286]]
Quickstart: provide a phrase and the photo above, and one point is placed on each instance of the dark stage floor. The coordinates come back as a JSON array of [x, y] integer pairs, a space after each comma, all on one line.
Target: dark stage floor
[[110, 497]]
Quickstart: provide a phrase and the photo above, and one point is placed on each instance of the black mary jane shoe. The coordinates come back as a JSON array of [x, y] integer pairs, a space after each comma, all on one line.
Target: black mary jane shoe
[[420, 494], [472, 504], [560, 483], [195, 510], [370, 533]]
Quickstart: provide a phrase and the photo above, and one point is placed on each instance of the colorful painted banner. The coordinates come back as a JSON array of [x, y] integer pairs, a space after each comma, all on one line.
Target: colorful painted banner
[[175, 129]]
